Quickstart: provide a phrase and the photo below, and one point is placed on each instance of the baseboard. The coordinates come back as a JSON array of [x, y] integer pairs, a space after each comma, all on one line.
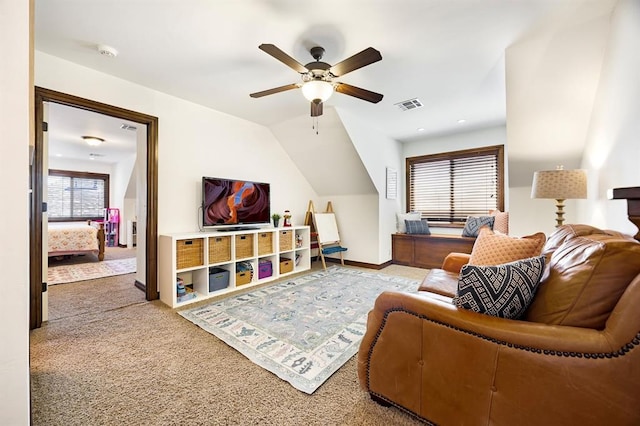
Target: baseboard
[[140, 286], [359, 264]]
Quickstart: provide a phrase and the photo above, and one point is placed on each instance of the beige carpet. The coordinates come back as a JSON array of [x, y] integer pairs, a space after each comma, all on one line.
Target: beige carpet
[[108, 357]]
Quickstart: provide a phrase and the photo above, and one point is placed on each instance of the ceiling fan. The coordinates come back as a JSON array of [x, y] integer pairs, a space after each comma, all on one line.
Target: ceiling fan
[[318, 77]]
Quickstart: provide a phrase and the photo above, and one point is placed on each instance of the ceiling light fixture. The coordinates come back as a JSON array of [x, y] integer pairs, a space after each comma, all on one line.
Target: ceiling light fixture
[[93, 141], [317, 91]]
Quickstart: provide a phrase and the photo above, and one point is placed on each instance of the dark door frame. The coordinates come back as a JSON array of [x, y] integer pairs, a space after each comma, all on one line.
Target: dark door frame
[[36, 209]]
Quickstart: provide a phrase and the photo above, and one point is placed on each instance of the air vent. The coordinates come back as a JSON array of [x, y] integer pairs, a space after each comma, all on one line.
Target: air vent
[[126, 126], [92, 155], [410, 104]]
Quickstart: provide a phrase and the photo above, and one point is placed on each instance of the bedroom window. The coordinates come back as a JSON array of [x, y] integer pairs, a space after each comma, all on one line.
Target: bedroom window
[[448, 187], [77, 195]]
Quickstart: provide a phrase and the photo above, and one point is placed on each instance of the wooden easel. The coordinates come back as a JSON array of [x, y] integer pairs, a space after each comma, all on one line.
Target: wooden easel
[[325, 232], [308, 221]]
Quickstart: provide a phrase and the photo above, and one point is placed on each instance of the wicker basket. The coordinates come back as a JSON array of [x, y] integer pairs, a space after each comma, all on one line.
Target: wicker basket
[[243, 278], [265, 243], [286, 265], [286, 240], [219, 249], [189, 253], [244, 246]]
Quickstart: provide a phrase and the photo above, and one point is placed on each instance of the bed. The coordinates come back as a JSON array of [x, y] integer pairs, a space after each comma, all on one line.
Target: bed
[[76, 238]]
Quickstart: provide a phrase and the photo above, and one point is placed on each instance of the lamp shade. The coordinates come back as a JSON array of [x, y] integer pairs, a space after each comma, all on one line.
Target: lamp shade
[[559, 184], [317, 90]]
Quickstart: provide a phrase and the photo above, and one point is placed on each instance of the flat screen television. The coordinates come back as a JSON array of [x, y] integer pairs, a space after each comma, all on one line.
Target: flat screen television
[[234, 203]]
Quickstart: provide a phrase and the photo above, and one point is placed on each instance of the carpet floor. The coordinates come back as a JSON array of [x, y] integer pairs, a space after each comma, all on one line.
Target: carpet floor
[[108, 357]]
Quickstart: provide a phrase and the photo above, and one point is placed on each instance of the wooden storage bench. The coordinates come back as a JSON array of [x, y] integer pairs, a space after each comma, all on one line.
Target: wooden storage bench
[[427, 251]]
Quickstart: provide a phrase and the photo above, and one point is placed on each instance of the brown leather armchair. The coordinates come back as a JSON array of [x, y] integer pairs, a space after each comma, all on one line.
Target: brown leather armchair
[[574, 359]]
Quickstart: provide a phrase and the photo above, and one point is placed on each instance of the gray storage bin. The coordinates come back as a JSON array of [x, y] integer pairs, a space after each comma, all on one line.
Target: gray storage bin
[[218, 279]]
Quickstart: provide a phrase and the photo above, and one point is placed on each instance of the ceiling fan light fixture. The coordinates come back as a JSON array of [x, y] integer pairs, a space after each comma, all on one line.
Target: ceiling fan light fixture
[[93, 140], [317, 90]]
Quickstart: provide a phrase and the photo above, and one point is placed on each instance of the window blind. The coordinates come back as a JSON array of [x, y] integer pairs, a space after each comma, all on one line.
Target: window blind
[[446, 188], [74, 196]]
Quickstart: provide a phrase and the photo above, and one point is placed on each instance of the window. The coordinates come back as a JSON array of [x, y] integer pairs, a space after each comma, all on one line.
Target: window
[[77, 195], [448, 187]]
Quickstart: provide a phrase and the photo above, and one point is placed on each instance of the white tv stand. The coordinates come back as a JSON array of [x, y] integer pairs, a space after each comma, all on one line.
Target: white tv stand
[[190, 255]]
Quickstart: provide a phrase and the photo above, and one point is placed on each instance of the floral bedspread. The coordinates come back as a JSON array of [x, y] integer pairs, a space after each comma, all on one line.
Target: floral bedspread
[[72, 237]]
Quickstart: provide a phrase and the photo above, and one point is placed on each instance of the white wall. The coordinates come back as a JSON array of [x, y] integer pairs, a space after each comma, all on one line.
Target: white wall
[[357, 231], [61, 163], [15, 127], [536, 215], [456, 142], [118, 185], [612, 155], [377, 152]]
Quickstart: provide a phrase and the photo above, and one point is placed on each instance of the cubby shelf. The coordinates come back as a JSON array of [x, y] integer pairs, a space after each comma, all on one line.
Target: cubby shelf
[[190, 256]]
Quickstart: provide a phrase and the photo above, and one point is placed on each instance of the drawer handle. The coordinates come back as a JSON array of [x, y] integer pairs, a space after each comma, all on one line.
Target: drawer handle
[[188, 243]]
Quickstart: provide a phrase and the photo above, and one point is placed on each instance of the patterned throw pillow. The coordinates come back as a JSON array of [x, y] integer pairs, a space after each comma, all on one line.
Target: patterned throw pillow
[[417, 227], [474, 223], [492, 248], [504, 291], [501, 224], [401, 217]]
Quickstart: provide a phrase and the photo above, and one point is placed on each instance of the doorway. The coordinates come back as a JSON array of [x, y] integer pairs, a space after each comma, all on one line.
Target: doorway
[[37, 185]]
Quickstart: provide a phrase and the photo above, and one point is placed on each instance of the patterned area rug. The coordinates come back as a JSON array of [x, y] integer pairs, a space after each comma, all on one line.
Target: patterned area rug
[[90, 271], [302, 330]]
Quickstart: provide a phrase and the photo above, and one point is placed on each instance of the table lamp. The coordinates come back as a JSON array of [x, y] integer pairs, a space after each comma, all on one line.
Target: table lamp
[[559, 185]]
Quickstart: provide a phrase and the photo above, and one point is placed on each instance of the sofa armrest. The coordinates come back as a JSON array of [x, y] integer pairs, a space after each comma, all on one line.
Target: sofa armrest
[[440, 362], [489, 328], [454, 262]]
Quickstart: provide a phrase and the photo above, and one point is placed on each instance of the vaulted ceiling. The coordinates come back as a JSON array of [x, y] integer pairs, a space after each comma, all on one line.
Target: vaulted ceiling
[[448, 54]]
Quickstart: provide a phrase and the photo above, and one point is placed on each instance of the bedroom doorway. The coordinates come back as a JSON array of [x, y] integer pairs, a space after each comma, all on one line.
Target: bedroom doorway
[[146, 211]]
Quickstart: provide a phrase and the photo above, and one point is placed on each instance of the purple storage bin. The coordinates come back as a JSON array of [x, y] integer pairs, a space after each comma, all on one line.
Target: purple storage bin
[[265, 269]]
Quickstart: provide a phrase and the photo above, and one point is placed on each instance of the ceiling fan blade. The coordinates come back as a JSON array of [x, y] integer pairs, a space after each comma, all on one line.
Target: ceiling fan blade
[[316, 109], [274, 90], [366, 95], [359, 60], [283, 57]]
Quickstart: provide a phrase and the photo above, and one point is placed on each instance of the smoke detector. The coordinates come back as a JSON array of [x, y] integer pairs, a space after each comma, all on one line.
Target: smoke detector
[[107, 51]]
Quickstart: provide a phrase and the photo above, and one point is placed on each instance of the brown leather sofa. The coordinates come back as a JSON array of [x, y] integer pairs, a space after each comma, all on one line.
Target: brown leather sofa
[[574, 359]]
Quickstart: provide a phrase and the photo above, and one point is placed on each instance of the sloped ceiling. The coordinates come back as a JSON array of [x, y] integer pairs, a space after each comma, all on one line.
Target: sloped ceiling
[[552, 78], [327, 159]]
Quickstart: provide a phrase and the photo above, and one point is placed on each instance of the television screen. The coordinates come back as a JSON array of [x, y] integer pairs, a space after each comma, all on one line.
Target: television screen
[[234, 202]]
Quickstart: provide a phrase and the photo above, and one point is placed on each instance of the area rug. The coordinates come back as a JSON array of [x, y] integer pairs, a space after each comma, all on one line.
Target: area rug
[[90, 271], [302, 329]]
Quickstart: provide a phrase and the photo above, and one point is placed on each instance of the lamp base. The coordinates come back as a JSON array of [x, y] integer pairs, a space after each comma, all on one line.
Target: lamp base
[[559, 212]]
